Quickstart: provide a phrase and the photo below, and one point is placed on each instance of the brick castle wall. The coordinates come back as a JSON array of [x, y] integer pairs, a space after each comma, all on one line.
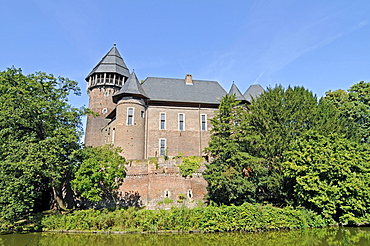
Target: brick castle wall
[[156, 179], [190, 142], [100, 101]]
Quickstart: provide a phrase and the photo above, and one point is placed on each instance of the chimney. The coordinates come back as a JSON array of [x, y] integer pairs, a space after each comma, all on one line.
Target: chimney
[[189, 79]]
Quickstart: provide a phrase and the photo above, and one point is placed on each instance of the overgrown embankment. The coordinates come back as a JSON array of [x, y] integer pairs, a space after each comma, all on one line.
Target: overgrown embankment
[[246, 217]]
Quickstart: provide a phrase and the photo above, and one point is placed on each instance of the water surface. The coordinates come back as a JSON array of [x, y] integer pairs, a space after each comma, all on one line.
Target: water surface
[[319, 237]]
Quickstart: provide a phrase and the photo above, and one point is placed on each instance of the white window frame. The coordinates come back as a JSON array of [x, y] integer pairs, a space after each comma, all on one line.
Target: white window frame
[[183, 121], [164, 147], [160, 121], [113, 134], [167, 193], [128, 116], [205, 122], [190, 193]]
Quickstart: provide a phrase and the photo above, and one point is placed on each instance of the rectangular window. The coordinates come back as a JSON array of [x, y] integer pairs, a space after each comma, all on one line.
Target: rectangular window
[[162, 146], [113, 133], [203, 122], [162, 123], [181, 122], [142, 114], [130, 116]]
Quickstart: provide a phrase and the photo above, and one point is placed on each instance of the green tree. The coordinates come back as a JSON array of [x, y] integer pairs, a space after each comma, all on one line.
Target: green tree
[[277, 117], [232, 174], [354, 106], [38, 132], [100, 172], [330, 175]]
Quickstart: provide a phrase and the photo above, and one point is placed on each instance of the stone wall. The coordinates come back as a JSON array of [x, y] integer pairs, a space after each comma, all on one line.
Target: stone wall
[[157, 183]]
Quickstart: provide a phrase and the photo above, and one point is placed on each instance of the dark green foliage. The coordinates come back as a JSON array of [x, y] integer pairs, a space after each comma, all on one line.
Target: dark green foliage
[[278, 117], [331, 175], [208, 219], [231, 175], [38, 132], [100, 172], [247, 146]]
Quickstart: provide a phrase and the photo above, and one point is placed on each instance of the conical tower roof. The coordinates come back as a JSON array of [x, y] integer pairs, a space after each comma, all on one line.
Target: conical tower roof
[[132, 87], [253, 91], [235, 91], [112, 62]]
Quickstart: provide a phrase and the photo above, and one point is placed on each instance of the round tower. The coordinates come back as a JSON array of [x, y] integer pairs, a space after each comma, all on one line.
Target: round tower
[[105, 80], [130, 119]]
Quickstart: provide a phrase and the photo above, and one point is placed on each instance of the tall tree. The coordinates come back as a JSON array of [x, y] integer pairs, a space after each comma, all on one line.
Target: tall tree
[[277, 117], [354, 106], [38, 132], [254, 140], [232, 174]]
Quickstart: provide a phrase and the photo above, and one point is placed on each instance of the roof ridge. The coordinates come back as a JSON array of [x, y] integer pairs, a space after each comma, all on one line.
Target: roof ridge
[[112, 62]]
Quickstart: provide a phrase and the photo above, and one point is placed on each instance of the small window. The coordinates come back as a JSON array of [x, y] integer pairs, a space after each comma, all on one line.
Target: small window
[[181, 122], [190, 193], [142, 113], [162, 147], [113, 132], [167, 193], [203, 122], [162, 123], [104, 110], [130, 116]]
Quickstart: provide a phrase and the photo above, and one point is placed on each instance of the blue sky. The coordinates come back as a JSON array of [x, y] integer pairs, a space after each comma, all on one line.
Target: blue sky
[[321, 45]]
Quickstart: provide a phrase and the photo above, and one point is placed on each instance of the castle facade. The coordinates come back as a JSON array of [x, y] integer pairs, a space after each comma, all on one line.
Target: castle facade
[[157, 118]]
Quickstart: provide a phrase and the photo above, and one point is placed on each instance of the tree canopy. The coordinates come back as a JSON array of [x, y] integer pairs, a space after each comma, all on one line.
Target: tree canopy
[[289, 148], [38, 132], [39, 146], [331, 176], [354, 106], [231, 174], [101, 171]]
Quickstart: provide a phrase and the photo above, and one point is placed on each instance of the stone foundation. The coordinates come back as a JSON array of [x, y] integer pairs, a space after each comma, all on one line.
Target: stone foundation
[[158, 183]]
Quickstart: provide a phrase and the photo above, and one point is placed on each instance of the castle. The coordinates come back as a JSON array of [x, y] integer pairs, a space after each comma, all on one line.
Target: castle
[[154, 120]]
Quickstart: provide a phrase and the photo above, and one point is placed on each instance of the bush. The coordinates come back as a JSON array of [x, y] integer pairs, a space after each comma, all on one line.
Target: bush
[[246, 217]]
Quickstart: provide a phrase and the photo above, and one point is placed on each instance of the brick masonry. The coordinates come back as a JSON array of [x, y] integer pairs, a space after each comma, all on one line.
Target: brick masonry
[[156, 179]]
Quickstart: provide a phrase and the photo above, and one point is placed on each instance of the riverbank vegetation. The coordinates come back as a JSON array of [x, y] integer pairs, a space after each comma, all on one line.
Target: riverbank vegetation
[[246, 217]]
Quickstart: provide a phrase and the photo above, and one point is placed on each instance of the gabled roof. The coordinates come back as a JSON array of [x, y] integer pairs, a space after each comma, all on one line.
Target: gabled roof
[[176, 90], [131, 87], [234, 90], [112, 62], [253, 92]]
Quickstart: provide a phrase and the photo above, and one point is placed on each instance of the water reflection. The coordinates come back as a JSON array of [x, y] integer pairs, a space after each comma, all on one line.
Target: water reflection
[[326, 236]]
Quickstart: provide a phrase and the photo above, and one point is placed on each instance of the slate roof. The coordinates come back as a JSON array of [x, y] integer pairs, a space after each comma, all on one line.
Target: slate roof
[[176, 90], [112, 62], [234, 90], [130, 87], [253, 91]]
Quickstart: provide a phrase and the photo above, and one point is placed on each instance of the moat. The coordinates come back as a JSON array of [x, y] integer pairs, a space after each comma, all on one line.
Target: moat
[[317, 237]]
